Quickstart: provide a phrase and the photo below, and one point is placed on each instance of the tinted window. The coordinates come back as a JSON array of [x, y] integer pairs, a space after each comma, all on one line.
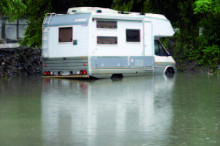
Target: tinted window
[[159, 50], [133, 35], [65, 34], [106, 40], [106, 24]]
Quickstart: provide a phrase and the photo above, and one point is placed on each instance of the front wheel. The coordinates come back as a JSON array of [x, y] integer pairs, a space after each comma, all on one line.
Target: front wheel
[[169, 71]]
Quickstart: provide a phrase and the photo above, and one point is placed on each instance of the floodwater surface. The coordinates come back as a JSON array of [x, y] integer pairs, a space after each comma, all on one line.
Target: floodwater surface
[[135, 111]]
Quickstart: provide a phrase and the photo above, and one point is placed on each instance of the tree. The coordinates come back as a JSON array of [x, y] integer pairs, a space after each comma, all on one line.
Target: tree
[[35, 12], [209, 40], [14, 9]]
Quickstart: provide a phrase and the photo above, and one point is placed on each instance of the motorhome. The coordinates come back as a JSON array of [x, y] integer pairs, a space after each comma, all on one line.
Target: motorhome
[[104, 43]]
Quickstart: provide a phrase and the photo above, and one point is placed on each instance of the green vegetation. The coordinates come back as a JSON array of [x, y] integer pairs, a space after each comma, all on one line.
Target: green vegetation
[[13, 9], [34, 11], [196, 21]]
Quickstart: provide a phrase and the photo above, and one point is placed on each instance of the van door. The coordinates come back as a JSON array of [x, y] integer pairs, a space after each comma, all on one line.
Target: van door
[[148, 39], [162, 56]]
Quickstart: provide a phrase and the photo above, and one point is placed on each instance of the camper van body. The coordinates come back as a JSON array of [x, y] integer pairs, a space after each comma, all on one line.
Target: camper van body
[[99, 42]]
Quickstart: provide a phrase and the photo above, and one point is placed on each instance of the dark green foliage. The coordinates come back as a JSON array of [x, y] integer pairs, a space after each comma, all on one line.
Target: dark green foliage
[[61, 6], [208, 42], [12, 8], [35, 13], [188, 44]]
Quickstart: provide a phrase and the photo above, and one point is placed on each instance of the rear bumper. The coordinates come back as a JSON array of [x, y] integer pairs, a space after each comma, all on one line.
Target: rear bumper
[[65, 66]]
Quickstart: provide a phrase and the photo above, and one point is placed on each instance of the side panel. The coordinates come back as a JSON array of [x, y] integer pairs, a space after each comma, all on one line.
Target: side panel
[[105, 66], [80, 35], [127, 58], [68, 49], [122, 48]]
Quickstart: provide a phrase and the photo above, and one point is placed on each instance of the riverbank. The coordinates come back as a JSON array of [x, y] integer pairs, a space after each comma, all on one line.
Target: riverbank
[[20, 61], [194, 67]]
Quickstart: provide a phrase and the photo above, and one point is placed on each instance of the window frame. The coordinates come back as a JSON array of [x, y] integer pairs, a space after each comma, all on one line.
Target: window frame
[[99, 37], [106, 21], [134, 41], [66, 27]]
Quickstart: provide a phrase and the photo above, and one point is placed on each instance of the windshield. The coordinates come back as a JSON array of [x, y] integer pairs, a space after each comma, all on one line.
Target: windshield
[[159, 49]]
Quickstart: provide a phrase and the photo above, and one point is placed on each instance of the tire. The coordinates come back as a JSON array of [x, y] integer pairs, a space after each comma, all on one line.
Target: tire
[[169, 71], [117, 76]]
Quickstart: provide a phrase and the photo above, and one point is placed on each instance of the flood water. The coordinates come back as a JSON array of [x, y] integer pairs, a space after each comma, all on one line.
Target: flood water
[[135, 111]]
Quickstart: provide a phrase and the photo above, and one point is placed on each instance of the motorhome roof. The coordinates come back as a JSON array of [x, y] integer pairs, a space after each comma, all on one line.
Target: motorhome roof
[[90, 10], [98, 11]]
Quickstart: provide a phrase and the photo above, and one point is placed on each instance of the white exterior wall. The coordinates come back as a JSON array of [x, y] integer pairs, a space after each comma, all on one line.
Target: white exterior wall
[[86, 36], [161, 27], [122, 48], [67, 49]]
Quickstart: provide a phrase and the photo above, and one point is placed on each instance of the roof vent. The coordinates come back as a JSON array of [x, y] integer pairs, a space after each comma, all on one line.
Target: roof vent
[[99, 11], [123, 12]]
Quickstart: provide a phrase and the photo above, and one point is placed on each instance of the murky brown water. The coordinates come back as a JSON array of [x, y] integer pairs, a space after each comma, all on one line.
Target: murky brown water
[[137, 111]]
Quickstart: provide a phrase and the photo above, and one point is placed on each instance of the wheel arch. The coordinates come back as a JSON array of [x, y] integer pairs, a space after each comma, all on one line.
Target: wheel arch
[[169, 67]]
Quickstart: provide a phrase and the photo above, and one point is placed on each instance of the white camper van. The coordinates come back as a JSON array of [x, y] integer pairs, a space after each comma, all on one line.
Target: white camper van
[[103, 43]]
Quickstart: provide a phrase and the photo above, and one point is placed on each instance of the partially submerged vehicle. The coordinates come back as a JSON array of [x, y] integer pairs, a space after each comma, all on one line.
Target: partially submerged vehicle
[[103, 43]]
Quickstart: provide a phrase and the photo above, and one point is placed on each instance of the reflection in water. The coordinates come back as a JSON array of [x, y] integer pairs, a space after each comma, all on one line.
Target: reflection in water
[[132, 111], [155, 110]]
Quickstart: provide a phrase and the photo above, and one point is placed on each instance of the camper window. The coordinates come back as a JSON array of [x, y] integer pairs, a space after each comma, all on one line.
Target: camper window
[[107, 24], [65, 34], [159, 50], [106, 40], [133, 35]]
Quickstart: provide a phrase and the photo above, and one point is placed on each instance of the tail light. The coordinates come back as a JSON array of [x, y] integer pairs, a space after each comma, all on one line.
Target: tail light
[[47, 73], [83, 72]]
